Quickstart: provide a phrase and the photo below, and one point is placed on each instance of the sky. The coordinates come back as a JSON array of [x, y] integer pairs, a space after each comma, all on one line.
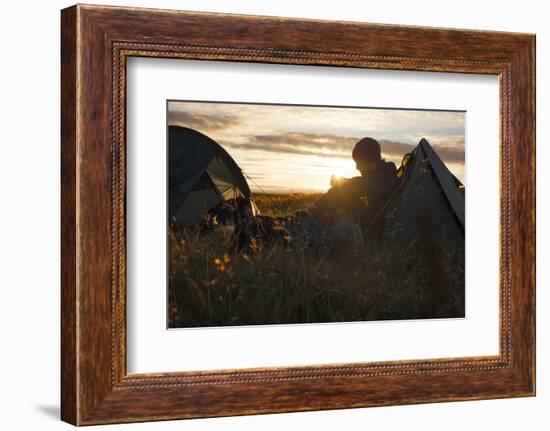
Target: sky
[[286, 148]]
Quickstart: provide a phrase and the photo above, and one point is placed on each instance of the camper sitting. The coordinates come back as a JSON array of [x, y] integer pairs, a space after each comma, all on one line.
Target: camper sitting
[[358, 198], [339, 217]]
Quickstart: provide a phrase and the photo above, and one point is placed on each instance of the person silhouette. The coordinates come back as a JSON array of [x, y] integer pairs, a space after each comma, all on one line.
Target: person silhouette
[[359, 198]]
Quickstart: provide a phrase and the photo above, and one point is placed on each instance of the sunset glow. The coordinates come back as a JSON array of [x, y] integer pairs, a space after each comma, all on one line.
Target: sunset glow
[[283, 148]]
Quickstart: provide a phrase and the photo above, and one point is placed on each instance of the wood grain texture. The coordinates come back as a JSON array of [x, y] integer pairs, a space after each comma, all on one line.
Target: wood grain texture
[[96, 41], [69, 397]]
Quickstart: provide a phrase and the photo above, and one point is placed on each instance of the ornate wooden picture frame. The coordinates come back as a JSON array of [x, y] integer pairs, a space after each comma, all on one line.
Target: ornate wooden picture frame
[[96, 41]]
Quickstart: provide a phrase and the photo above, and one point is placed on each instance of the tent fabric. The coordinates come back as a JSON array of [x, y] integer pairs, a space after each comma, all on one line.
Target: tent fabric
[[221, 175], [448, 182], [201, 174], [196, 203], [428, 202]]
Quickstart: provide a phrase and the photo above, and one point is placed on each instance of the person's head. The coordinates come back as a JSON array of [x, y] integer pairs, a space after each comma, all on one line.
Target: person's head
[[367, 155]]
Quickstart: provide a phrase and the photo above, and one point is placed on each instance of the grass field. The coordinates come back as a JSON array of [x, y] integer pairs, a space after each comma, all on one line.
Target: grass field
[[211, 286], [280, 205]]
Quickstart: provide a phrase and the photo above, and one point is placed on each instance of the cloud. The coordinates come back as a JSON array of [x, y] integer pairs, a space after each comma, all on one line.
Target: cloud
[[450, 154], [206, 122], [301, 142], [449, 148], [394, 148], [313, 144], [282, 146]]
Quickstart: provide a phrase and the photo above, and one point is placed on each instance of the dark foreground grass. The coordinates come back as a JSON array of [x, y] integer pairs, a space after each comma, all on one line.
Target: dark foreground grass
[[211, 286]]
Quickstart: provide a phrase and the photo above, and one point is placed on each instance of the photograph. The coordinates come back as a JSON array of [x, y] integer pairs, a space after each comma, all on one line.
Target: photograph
[[300, 214]]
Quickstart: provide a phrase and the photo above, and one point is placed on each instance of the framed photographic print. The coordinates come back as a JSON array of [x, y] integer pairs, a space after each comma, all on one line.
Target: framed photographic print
[[264, 214], [258, 234]]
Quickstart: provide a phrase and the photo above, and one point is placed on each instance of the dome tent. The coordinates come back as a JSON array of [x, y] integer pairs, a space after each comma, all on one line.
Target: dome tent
[[201, 175], [429, 201]]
